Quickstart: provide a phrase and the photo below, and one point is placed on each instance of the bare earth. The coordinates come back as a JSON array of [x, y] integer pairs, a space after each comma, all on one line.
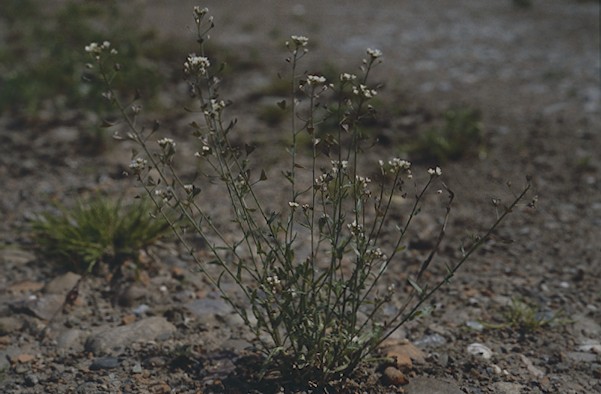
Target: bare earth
[[534, 74]]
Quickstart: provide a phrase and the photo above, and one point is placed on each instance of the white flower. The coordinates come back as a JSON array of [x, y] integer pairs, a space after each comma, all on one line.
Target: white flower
[[339, 165], [299, 41], [196, 65], [189, 188], [138, 164], [435, 171], [399, 164], [315, 80], [165, 142], [93, 48], [364, 91], [344, 77], [293, 204], [374, 53], [200, 12]]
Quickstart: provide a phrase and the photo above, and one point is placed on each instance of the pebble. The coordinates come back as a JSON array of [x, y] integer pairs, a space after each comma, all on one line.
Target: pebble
[[582, 357], [535, 371], [46, 306], [209, 307], [69, 339], [137, 368], [478, 349], [507, 388], [394, 377], [432, 340], [9, 325], [104, 363], [31, 380], [423, 385], [474, 325], [115, 338], [62, 284]]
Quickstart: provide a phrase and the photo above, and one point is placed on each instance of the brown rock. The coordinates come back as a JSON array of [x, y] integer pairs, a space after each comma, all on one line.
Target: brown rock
[[26, 286], [24, 358], [402, 359], [394, 377]]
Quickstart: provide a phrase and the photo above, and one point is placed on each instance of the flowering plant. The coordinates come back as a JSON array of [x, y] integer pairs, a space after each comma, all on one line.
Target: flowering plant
[[309, 272]]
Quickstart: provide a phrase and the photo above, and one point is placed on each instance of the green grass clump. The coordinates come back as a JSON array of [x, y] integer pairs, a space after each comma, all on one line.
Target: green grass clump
[[101, 230], [461, 134]]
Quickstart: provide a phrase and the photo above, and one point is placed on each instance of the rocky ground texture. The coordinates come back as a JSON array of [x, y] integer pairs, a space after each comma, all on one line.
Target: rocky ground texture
[[534, 75]]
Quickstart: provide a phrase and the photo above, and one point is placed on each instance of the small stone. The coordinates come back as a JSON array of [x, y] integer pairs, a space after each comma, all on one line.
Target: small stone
[[423, 385], [474, 325], [46, 306], [433, 340], [394, 377], [104, 363], [69, 339], [128, 319], [132, 294], [26, 286], [536, 372], [116, 338], [582, 357], [404, 349], [402, 360], [62, 284], [31, 380], [10, 324], [24, 358], [507, 388], [137, 368], [479, 349]]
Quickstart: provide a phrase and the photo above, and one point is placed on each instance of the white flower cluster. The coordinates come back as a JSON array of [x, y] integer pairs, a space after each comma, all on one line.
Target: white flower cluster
[[339, 165], [200, 12], [315, 80], [362, 183], [355, 228], [364, 91], [165, 194], [274, 282], [166, 142], [196, 65], [298, 41], [376, 253], [435, 171], [374, 53], [138, 164], [214, 108], [96, 49], [346, 77], [293, 204], [395, 165]]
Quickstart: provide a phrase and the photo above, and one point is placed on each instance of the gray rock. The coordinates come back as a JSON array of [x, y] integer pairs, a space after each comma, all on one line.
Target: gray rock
[[422, 385], [209, 307], [46, 306], [104, 363], [507, 388], [16, 256], [116, 338], [69, 339], [62, 284], [582, 357]]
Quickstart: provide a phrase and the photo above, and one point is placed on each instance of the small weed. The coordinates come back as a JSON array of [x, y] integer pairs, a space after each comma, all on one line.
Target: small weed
[[101, 230], [524, 317], [461, 134]]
